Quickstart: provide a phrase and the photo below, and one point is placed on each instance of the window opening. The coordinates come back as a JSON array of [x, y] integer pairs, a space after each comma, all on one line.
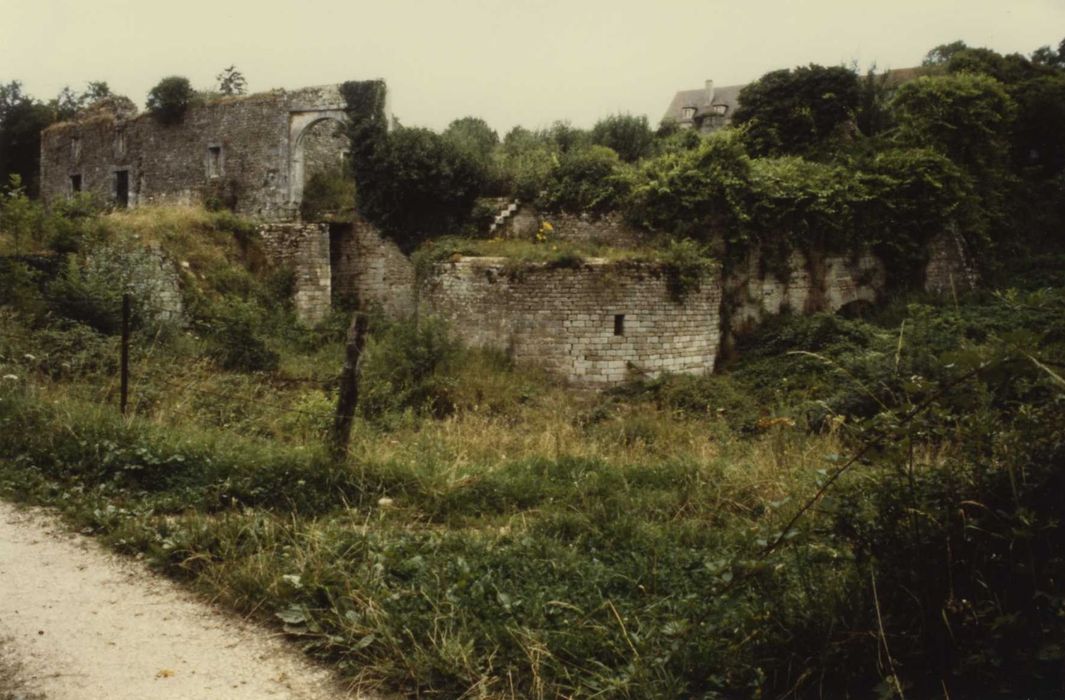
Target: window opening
[[214, 161], [619, 324], [75, 183], [122, 188]]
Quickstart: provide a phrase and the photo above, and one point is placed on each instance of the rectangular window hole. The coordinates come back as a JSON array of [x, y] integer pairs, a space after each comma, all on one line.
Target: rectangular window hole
[[214, 161], [75, 183], [122, 188], [619, 324]]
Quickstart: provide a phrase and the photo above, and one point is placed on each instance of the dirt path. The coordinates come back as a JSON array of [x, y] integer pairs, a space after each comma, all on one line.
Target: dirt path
[[79, 623]]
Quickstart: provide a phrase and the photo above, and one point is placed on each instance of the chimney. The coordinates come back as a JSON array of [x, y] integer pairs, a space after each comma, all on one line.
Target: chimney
[[709, 92]]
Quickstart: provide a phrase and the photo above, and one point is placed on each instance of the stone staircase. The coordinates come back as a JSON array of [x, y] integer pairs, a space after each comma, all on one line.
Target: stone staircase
[[503, 216]]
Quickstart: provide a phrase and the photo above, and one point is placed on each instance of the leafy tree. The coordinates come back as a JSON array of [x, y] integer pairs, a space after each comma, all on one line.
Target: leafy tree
[[566, 137], [797, 111], [416, 184], [231, 81], [22, 119], [966, 117], [943, 53], [474, 135], [527, 159], [629, 136], [590, 179], [68, 103], [1038, 137], [170, 99], [695, 193]]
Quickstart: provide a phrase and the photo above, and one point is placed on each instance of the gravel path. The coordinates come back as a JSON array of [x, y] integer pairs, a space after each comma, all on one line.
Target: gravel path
[[78, 623]]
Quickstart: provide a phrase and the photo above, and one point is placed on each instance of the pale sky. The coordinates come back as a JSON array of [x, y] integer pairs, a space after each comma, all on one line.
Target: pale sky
[[528, 62]]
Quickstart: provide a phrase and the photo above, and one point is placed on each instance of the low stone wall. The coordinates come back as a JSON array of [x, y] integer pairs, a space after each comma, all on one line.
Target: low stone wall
[[594, 324], [304, 248], [610, 229]]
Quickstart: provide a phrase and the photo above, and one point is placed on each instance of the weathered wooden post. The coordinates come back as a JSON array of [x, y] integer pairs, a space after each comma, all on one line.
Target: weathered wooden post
[[348, 398], [124, 358]]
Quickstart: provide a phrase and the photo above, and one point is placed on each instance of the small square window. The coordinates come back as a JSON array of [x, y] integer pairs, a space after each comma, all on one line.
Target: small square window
[[619, 324], [75, 184]]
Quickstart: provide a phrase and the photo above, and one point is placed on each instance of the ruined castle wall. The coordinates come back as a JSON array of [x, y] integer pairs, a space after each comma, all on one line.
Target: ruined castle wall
[[234, 150], [369, 271], [595, 324], [305, 249]]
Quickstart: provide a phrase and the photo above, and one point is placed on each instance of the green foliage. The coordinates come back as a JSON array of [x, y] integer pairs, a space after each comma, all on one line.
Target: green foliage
[[687, 265], [417, 185], [235, 340], [694, 193], [407, 367], [803, 204], [590, 179], [22, 119], [912, 195], [473, 134], [328, 195], [797, 111], [966, 117], [82, 296], [231, 81], [170, 99], [528, 159], [627, 135]]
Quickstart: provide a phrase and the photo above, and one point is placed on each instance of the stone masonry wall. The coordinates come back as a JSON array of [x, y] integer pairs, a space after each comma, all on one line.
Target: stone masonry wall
[[305, 248], [369, 270], [241, 151], [595, 324], [813, 284], [610, 229]]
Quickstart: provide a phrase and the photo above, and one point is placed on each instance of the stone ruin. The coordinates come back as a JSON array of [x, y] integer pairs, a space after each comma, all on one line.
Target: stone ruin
[[594, 323]]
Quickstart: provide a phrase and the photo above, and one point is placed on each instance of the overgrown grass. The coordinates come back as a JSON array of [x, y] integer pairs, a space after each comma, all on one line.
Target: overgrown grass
[[495, 533]]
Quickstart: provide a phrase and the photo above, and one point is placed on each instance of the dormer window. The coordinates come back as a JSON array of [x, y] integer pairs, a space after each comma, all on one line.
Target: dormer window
[[720, 109], [688, 112]]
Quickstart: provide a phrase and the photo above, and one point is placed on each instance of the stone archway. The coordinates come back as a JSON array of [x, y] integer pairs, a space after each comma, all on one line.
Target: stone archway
[[309, 137]]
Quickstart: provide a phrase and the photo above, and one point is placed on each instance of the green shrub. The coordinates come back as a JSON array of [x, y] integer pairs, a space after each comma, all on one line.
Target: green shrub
[[407, 366], [627, 135], [687, 265], [234, 336], [329, 195], [590, 179], [170, 99]]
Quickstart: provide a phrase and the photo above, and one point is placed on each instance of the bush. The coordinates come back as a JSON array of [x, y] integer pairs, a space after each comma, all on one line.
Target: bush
[[407, 366], [627, 135], [416, 185], [590, 179], [329, 195], [234, 339], [170, 98]]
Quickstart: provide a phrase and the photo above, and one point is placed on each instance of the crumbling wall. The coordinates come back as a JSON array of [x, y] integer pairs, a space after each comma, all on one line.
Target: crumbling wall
[[370, 271], [238, 152], [305, 249], [610, 229], [806, 284], [595, 324]]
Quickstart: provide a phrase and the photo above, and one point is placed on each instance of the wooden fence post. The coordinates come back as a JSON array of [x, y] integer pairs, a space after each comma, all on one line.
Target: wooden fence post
[[124, 359], [348, 398]]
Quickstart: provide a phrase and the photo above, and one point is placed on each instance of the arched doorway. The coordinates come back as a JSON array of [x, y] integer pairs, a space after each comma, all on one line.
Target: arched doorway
[[318, 142]]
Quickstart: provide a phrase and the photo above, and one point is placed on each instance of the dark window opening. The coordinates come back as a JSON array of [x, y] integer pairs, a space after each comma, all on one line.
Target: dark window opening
[[214, 161], [75, 183], [122, 188], [619, 324]]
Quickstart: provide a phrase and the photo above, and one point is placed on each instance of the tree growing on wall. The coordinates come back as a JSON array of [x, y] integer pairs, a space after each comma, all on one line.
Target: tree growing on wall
[[170, 99], [231, 81]]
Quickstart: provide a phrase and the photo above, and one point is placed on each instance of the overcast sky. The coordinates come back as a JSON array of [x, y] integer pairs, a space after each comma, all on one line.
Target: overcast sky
[[526, 62]]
